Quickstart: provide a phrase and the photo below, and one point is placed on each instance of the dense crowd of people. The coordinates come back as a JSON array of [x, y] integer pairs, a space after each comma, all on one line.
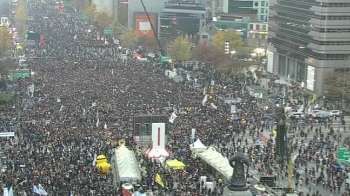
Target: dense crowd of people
[[84, 101]]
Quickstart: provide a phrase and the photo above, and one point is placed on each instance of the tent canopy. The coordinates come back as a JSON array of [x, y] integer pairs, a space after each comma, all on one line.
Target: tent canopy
[[127, 165], [217, 161], [175, 164], [198, 146]]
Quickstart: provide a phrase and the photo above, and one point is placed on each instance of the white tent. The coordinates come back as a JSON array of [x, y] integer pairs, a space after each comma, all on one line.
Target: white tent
[[126, 165], [217, 161], [198, 146]]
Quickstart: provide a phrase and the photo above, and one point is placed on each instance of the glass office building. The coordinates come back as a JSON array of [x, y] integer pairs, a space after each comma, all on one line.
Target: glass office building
[[309, 39]]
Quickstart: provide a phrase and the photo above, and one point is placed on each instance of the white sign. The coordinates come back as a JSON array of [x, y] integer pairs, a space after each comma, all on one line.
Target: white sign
[[7, 134], [233, 109]]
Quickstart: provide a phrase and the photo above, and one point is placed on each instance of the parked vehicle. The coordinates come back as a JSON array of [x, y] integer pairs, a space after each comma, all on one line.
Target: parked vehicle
[[336, 113]]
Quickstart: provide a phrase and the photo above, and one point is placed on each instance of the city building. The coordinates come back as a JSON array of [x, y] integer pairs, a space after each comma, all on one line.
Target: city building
[[308, 40], [258, 7], [257, 34], [137, 17], [109, 6], [182, 18], [238, 22], [207, 34]]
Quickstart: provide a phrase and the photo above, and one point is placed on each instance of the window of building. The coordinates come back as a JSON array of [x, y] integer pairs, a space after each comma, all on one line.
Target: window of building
[[205, 36], [263, 36], [264, 27], [251, 27], [257, 27], [223, 26], [262, 10], [256, 4], [263, 3], [262, 18]]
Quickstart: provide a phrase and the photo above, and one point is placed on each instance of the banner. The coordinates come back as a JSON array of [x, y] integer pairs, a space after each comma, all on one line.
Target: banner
[[184, 6], [7, 134], [143, 26]]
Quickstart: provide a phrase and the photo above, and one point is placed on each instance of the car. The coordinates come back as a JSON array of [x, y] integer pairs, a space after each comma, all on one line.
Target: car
[[314, 112], [333, 113], [322, 114], [296, 115]]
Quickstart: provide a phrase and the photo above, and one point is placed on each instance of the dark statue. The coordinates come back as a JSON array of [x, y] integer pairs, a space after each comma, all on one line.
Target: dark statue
[[238, 179]]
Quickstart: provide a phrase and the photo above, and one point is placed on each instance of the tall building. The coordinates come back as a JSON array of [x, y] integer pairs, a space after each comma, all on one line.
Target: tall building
[[258, 7], [308, 40]]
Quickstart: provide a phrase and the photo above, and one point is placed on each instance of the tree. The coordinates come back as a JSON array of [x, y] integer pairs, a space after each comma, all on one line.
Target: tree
[[90, 10], [208, 54], [230, 35], [232, 67], [148, 43], [6, 66], [5, 40], [129, 38], [337, 84], [180, 49], [104, 20], [21, 18]]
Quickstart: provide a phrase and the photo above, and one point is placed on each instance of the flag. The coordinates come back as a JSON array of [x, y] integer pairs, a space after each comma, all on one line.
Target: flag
[[125, 192], [42, 190], [205, 99], [301, 109], [94, 161], [205, 91], [35, 190], [213, 106], [159, 180], [10, 191], [105, 126], [172, 117], [6, 192], [98, 122]]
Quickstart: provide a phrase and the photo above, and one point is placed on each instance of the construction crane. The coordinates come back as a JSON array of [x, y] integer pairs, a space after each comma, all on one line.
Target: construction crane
[[154, 32]]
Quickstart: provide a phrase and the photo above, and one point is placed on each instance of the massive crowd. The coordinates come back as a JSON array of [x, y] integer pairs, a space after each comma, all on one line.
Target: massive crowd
[[84, 100]]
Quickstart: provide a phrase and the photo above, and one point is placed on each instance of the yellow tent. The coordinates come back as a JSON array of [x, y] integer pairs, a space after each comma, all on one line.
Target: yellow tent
[[175, 164]]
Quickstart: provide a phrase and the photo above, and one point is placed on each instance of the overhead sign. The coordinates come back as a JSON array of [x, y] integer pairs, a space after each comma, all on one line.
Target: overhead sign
[[107, 32], [16, 74], [184, 6], [343, 155], [180, 15], [165, 59], [7, 134]]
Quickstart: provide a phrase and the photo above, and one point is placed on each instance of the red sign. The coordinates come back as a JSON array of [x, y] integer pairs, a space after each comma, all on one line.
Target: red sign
[[143, 26]]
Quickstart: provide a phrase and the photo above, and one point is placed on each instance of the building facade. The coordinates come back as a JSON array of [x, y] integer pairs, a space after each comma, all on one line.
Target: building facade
[[258, 7], [257, 34], [109, 6], [308, 40]]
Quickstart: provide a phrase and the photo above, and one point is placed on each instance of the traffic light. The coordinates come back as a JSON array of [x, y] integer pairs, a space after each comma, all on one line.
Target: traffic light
[[281, 139]]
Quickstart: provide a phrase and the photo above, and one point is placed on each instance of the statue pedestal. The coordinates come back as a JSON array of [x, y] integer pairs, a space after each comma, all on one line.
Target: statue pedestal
[[228, 192]]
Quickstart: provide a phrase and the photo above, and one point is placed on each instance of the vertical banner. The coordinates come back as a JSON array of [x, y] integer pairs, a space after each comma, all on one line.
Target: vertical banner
[[193, 135], [158, 136], [143, 26]]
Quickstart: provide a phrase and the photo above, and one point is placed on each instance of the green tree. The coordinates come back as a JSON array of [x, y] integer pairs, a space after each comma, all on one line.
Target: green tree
[[129, 38], [21, 18], [209, 55], [104, 20], [180, 49], [90, 10], [236, 42], [338, 84], [232, 67], [5, 40]]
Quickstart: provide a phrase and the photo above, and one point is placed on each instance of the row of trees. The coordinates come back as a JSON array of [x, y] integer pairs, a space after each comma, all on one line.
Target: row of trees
[[182, 49]]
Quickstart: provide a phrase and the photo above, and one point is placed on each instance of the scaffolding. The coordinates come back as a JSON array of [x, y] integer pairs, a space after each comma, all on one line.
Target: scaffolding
[[143, 127]]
